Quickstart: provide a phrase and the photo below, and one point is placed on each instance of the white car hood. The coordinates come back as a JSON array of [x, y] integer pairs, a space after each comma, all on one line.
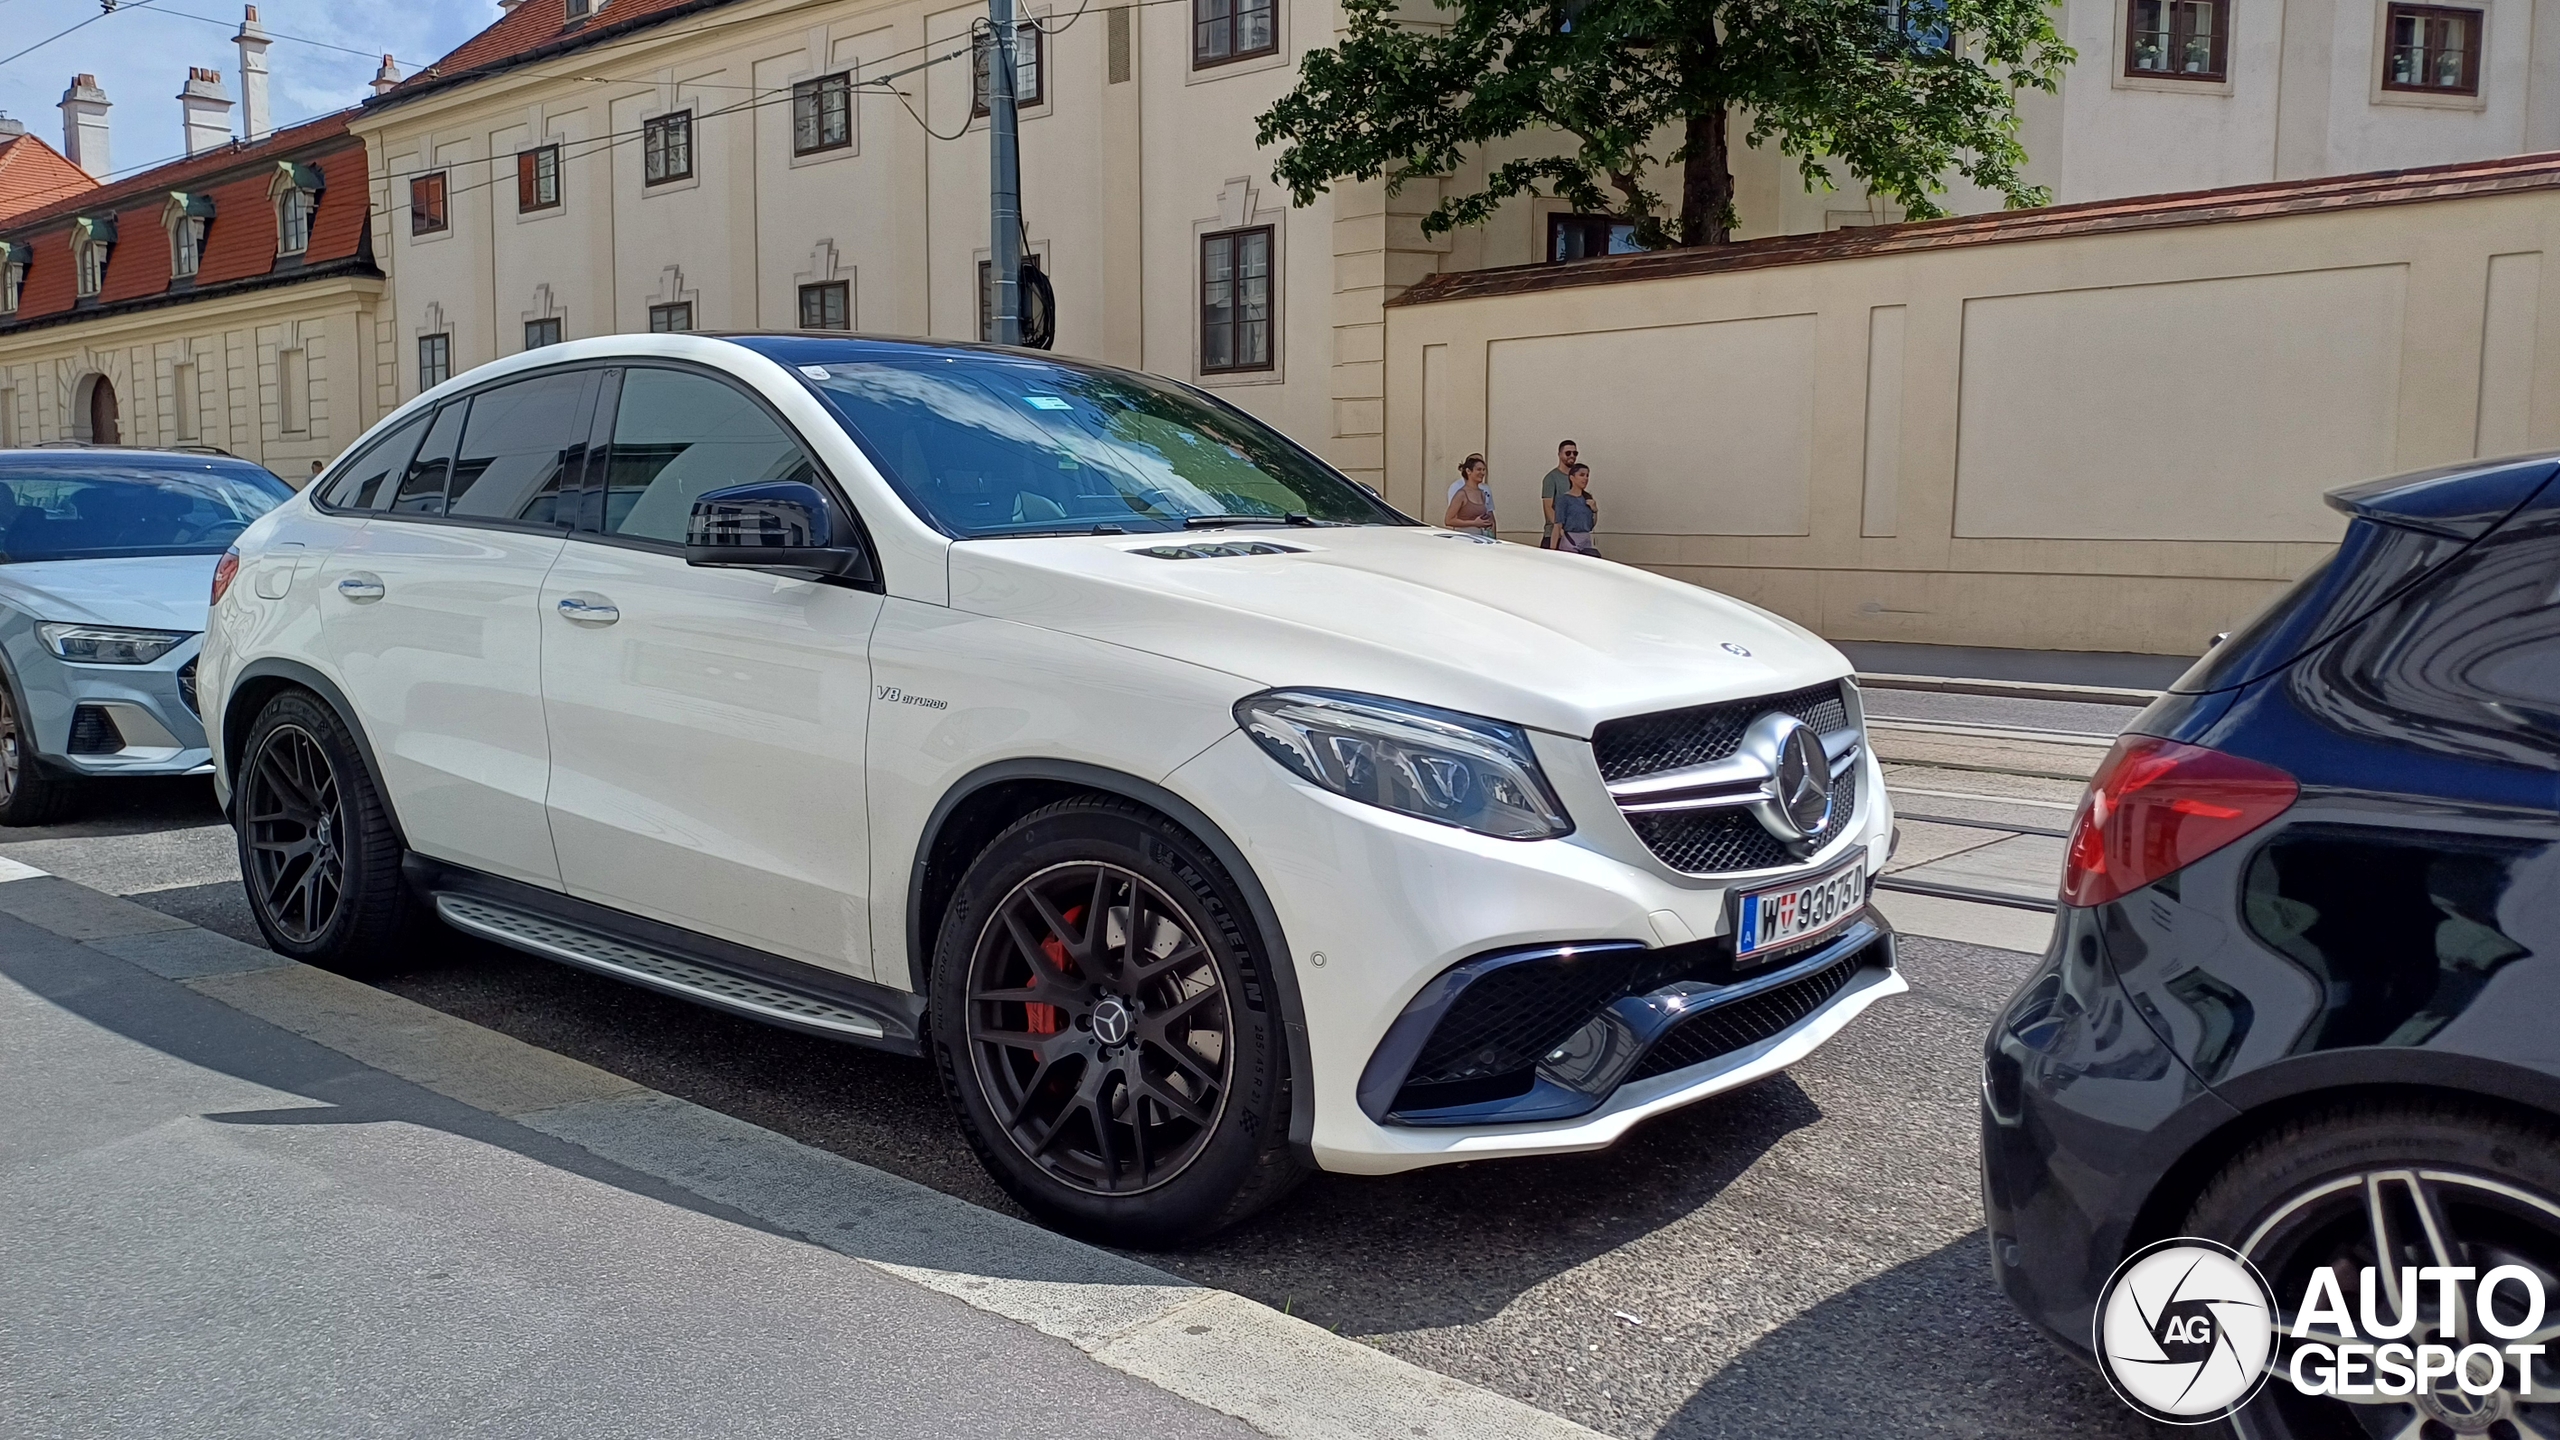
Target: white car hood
[[1554, 641], [150, 592]]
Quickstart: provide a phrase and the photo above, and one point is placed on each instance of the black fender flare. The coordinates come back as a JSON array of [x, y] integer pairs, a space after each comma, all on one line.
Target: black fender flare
[[1283, 961], [293, 672]]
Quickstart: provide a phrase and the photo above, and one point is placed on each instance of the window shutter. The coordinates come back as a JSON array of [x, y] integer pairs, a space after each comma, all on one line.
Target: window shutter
[[524, 181]]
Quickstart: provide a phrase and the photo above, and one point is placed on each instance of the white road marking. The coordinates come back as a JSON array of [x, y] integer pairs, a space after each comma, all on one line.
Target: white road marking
[[16, 870]]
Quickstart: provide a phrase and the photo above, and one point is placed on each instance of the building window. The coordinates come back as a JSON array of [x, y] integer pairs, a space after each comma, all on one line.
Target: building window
[[91, 255], [828, 306], [538, 333], [1027, 69], [1235, 301], [822, 114], [670, 319], [13, 278], [2434, 49], [1224, 30], [186, 247], [2176, 39], [538, 179], [426, 205], [1917, 26], [1580, 237], [666, 148], [293, 221], [435, 360]]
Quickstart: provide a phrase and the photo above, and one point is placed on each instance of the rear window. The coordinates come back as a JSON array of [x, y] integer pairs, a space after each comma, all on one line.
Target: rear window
[[97, 512], [2374, 563]]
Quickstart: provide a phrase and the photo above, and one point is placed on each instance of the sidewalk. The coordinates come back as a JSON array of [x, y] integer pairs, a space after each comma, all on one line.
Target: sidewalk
[[249, 1198], [2046, 667]]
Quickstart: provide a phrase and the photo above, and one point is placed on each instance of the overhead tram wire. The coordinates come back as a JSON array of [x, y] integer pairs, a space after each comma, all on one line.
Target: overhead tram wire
[[83, 25]]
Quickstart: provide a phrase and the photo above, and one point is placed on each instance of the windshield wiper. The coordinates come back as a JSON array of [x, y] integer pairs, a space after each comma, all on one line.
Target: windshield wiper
[[1212, 522]]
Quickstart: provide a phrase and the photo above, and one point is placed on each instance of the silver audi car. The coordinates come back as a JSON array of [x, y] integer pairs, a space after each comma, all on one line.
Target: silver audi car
[[107, 559]]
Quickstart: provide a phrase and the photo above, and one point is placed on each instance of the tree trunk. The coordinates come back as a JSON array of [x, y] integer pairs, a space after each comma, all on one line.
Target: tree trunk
[[1706, 186]]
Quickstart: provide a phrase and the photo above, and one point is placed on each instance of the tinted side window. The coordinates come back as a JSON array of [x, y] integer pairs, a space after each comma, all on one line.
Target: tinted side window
[[358, 485], [677, 434], [422, 486], [2468, 663], [523, 443]]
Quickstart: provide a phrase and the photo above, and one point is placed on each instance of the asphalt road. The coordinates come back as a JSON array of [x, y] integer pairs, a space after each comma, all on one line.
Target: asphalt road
[[1802, 1256]]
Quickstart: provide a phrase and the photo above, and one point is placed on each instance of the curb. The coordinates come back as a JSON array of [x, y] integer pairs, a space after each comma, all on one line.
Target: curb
[[1284, 1376], [2011, 689]]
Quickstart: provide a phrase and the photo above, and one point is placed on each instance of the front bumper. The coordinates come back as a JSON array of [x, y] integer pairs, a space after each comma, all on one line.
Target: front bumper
[[1377, 907], [107, 720]]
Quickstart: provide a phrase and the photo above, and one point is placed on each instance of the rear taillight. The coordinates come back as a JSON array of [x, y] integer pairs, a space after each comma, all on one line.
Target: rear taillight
[[225, 570], [2158, 806]]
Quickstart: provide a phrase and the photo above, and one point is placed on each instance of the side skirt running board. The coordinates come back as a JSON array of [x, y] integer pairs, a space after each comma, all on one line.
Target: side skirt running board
[[674, 962]]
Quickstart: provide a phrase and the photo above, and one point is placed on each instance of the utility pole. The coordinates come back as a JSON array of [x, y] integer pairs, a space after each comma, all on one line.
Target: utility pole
[[1004, 219]]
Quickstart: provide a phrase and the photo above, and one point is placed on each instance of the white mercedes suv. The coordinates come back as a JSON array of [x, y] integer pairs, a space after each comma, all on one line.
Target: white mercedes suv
[[1199, 816]]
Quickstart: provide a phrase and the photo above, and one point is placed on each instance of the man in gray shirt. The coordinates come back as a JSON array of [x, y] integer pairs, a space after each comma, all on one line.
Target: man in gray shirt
[[1558, 481]]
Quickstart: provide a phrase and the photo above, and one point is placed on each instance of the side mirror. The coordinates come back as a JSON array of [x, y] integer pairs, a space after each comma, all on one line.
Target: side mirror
[[775, 525]]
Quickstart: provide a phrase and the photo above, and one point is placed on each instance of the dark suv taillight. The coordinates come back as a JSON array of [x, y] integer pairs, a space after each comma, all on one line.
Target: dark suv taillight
[[2157, 806]]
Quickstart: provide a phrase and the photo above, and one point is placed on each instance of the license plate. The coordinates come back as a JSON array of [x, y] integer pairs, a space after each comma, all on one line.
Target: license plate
[[1767, 920]]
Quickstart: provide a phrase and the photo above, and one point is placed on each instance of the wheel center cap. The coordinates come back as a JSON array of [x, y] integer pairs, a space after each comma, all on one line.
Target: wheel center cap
[[327, 836], [1111, 1020], [2463, 1413]]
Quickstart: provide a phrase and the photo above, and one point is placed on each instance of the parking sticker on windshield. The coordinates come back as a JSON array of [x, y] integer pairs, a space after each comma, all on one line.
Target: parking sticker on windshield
[[1045, 402]]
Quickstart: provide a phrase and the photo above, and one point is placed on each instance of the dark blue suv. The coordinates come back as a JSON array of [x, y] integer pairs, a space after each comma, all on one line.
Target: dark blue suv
[[2304, 994]]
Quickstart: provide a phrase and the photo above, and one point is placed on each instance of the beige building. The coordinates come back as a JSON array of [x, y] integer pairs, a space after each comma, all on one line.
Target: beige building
[[2105, 427], [229, 299]]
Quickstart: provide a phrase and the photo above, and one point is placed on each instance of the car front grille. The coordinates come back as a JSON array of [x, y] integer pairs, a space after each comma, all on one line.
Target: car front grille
[[1727, 840], [1748, 1021]]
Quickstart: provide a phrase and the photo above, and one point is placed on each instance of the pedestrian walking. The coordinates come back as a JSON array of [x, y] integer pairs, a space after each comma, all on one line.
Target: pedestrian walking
[[1577, 514], [1473, 462], [1470, 503], [1558, 481]]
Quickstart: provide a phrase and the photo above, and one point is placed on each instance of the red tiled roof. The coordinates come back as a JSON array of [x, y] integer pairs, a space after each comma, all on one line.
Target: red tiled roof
[[2096, 217], [240, 245], [540, 27], [33, 173]]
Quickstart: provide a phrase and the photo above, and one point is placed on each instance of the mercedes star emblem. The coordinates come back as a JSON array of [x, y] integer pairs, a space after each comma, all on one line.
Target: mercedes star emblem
[[1111, 1020], [1803, 781]]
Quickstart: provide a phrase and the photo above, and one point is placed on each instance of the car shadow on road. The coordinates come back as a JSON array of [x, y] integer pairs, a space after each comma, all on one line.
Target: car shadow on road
[[1928, 1348]]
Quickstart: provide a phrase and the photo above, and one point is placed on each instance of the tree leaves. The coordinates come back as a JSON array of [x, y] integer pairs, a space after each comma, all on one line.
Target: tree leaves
[[1900, 96]]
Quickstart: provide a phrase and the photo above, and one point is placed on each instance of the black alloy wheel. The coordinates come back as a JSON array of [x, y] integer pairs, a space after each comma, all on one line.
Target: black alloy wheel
[[291, 815], [1099, 1029], [319, 854], [2392, 1189], [1105, 1028], [30, 794]]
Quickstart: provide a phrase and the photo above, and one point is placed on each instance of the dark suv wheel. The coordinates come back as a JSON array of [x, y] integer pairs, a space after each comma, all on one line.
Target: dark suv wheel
[[318, 852], [2395, 1187], [30, 793], [1103, 1031]]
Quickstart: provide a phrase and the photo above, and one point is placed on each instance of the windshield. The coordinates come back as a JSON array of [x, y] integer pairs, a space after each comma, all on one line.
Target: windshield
[[985, 444], [94, 512]]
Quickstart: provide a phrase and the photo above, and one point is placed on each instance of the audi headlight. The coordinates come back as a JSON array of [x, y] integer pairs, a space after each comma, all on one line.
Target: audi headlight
[[1432, 764], [105, 645]]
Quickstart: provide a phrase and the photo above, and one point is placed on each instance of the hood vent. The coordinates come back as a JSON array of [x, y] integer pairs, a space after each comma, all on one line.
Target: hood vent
[[1205, 550]]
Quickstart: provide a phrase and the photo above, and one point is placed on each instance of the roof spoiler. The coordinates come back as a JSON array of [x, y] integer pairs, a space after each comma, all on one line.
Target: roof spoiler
[[2464, 501]]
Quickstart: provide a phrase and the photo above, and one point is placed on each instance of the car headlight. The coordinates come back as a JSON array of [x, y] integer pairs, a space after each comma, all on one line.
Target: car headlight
[[1416, 760], [106, 645]]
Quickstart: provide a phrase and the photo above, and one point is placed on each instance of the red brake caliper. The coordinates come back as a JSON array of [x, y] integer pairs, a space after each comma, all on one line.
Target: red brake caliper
[[1038, 1018]]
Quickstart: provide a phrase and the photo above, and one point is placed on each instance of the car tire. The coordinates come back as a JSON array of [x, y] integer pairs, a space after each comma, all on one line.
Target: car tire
[[31, 792], [2292, 1201], [318, 852], [1147, 1105]]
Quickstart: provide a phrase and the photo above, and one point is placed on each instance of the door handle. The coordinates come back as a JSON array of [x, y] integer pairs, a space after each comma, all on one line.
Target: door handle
[[362, 588], [588, 612]]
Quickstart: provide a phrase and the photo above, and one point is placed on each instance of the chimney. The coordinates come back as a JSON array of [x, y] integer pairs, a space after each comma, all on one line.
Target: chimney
[[207, 110], [84, 126], [386, 77], [254, 116], [10, 129]]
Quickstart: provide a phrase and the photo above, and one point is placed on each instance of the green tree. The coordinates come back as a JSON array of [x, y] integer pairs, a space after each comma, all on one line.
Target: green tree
[[1898, 93]]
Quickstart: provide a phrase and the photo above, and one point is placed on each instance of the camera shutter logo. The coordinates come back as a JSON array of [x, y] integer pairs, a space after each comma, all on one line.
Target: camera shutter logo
[[2184, 1329]]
